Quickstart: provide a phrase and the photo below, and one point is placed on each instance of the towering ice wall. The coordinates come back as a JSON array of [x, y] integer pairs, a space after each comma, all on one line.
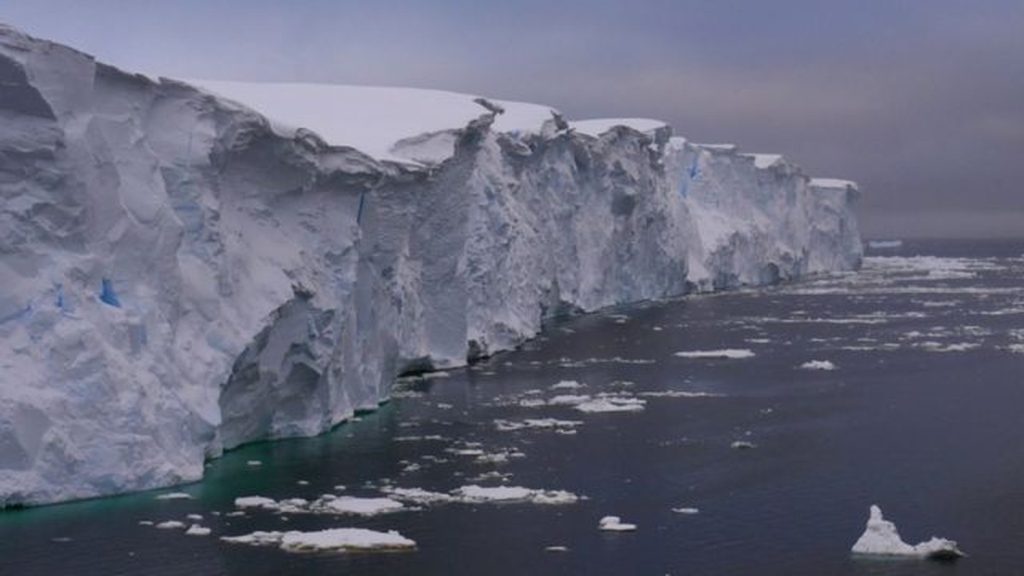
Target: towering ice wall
[[180, 274]]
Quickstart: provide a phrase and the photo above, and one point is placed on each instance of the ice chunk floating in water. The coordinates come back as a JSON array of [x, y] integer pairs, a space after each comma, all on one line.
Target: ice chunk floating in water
[[881, 538], [818, 365], [615, 524], [334, 539], [726, 354], [197, 530]]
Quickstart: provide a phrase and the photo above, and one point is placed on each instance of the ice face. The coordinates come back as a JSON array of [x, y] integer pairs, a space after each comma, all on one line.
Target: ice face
[[180, 275]]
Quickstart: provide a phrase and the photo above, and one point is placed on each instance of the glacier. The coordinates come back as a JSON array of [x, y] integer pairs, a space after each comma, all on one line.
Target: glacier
[[186, 267]]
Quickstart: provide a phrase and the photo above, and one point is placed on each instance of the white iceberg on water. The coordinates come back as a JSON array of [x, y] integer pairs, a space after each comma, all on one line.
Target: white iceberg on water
[[334, 539], [881, 538], [615, 524]]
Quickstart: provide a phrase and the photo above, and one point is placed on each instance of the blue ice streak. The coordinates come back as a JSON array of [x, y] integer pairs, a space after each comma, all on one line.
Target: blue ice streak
[[107, 294]]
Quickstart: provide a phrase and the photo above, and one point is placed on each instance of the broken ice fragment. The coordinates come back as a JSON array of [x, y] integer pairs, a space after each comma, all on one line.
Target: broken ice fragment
[[615, 524], [881, 538]]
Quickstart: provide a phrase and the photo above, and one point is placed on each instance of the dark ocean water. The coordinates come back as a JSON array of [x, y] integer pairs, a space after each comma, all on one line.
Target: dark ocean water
[[923, 416]]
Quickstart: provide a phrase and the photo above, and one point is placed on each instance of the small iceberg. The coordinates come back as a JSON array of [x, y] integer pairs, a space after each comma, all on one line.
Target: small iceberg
[[818, 365], [171, 525], [615, 524], [197, 530], [725, 354], [175, 496], [611, 404], [556, 548], [536, 423], [881, 538], [335, 539], [256, 502]]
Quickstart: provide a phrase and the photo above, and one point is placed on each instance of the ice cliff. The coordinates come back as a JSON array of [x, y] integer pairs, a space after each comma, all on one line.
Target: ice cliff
[[185, 269]]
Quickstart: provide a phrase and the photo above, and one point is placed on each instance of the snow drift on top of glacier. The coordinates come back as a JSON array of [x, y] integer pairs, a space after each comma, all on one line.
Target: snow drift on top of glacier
[[372, 118], [599, 126], [833, 183]]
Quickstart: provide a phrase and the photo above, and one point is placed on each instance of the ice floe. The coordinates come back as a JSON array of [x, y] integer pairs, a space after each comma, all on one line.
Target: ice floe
[[611, 404], [499, 457], [174, 496], [418, 495], [687, 511], [171, 525], [932, 346], [334, 539], [818, 365], [679, 394], [568, 400], [567, 385], [474, 493], [724, 354], [881, 538], [430, 437], [197, 530], [355, 505], [256, 502], [536, 423], [570, 363], [615, 524]]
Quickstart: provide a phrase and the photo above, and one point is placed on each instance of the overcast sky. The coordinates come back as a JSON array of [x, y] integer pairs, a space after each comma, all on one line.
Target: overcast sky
[[922, 102]]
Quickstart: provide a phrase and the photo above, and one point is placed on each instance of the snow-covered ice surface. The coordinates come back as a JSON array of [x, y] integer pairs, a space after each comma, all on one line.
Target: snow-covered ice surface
[[600, 126], [373, 119], [881, 538], [186, 273]]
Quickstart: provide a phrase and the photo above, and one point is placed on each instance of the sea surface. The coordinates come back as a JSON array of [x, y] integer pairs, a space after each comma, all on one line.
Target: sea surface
[[923, 414]]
